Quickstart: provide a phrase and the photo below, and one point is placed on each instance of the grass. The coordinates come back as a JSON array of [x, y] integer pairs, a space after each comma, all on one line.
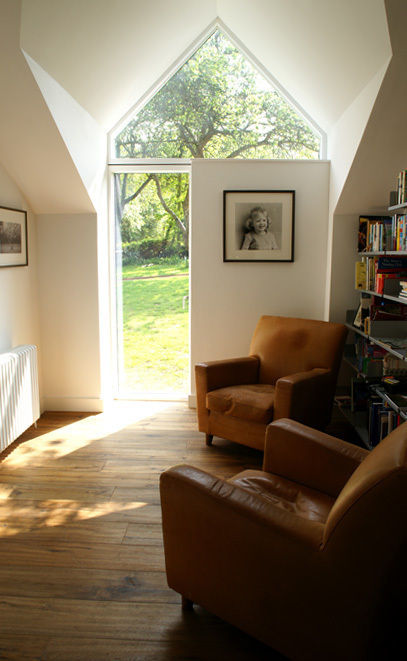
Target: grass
[[155, 327], [156, 267]]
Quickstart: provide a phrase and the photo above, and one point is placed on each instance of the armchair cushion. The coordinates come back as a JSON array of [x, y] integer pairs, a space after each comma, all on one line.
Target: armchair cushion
[[252, 401], [304, 502]]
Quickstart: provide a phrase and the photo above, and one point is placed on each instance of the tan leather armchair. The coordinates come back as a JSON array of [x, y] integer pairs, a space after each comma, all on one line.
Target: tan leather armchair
[[291, 372], [307, 555]]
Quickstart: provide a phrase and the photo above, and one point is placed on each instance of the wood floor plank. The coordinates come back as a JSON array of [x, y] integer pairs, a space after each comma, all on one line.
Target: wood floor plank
[[82, 570], [23, 648], [147, 556], [230, 644], [88, 584]]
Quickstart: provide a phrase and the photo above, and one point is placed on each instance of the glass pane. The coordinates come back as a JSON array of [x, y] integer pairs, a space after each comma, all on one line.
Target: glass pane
[[152, 278], [217, 105]]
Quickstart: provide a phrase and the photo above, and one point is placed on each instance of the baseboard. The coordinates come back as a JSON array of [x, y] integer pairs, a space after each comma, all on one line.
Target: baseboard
[[83, 404], [192, 401]]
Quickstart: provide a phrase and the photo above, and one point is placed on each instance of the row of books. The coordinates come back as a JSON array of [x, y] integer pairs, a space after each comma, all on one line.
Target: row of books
[[381, 418], [403, 289], [402, 187], [379, 309], [373, 360], [380, 233], [375, 233], [383, 275]]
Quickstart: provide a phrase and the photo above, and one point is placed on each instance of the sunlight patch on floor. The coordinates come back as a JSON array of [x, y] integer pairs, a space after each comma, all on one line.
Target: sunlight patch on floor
[[79, 434], [52, 513]]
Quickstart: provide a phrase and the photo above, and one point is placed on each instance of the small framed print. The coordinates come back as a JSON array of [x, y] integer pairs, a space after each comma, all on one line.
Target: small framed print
[[258, 226], [13, 237]]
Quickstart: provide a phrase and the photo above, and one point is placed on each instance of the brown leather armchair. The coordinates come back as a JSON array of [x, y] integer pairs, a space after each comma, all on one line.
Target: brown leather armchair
[[291, 373], [307, 555]]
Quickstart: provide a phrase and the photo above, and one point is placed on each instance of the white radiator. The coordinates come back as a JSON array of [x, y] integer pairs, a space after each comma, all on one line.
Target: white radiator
[[19, 393]]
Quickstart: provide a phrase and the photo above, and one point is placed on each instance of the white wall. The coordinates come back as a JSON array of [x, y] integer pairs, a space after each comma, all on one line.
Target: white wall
[[227, 299], [19, 322], [342, 285], [68, 286]]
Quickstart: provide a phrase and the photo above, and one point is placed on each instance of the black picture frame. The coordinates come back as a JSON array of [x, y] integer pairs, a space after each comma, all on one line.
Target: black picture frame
[[13, 237], [258, 225]]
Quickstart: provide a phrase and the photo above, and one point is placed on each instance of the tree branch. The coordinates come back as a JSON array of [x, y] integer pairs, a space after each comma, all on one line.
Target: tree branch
[[138, 191], [238, 151], [165, 205]]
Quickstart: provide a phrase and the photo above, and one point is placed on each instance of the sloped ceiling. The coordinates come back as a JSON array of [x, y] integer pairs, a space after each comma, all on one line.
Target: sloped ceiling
[[382, 152], [322, 51], [107, 54], [31, 148]]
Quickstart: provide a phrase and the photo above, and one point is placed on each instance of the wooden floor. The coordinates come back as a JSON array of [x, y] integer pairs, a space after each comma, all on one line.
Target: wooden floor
[[81, 558]]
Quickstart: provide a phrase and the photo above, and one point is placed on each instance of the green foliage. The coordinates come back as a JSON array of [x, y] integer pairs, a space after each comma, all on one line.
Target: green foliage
[[153, 208], [217, 106]]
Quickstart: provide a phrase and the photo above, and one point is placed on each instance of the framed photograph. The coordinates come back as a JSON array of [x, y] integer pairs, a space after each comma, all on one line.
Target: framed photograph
[[258, 226], [13, 237]]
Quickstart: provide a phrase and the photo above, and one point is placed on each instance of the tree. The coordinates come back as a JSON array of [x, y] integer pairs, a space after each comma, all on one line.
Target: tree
[[216, 106]]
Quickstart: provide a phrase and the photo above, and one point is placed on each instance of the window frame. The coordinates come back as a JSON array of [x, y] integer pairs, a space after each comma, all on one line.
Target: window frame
[[116, 323]]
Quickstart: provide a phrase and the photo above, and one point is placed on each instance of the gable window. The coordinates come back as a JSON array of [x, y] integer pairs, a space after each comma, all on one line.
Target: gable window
[[217, 105]]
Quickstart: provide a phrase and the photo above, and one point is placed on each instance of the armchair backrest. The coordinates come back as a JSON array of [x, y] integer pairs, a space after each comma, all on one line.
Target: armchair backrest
[[286, 345], [374, 499]]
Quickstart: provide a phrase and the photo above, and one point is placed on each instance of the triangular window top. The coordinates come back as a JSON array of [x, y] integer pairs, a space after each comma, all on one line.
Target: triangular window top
[[217, 105]]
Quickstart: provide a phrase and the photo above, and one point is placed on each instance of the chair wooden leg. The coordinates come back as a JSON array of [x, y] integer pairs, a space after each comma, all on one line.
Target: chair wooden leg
[[208, 439], [187, 604]]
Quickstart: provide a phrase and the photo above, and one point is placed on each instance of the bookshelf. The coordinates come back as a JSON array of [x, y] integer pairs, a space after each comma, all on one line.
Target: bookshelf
[[377, 352]]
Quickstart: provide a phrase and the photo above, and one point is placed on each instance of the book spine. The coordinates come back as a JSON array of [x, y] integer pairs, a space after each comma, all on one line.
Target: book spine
[[360, 275]]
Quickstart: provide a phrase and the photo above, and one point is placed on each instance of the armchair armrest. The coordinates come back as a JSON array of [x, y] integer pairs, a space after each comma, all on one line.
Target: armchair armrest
[[231, 372], [310, 457], [305, 396], [219, 374]]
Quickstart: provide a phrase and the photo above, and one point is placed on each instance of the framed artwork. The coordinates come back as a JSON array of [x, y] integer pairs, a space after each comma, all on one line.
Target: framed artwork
[[13, 237], [258, 226]]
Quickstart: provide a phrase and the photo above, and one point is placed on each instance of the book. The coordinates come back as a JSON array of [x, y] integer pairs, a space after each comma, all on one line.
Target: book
[[358, 317], [374, 233], [385, 264], [360, 275], [388, 283]]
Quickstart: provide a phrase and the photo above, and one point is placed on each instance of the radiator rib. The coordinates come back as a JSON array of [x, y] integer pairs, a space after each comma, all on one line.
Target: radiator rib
[[19, 393]]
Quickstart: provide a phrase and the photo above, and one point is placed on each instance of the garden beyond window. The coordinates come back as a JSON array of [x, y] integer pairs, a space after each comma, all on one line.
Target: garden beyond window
[[217, 105]]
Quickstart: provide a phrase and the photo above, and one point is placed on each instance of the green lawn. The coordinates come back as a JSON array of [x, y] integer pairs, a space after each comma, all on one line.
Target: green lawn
[[155, 327], [155, 267]]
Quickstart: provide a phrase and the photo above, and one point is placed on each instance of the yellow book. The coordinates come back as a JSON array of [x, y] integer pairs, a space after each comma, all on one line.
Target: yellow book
[[360, 275]]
